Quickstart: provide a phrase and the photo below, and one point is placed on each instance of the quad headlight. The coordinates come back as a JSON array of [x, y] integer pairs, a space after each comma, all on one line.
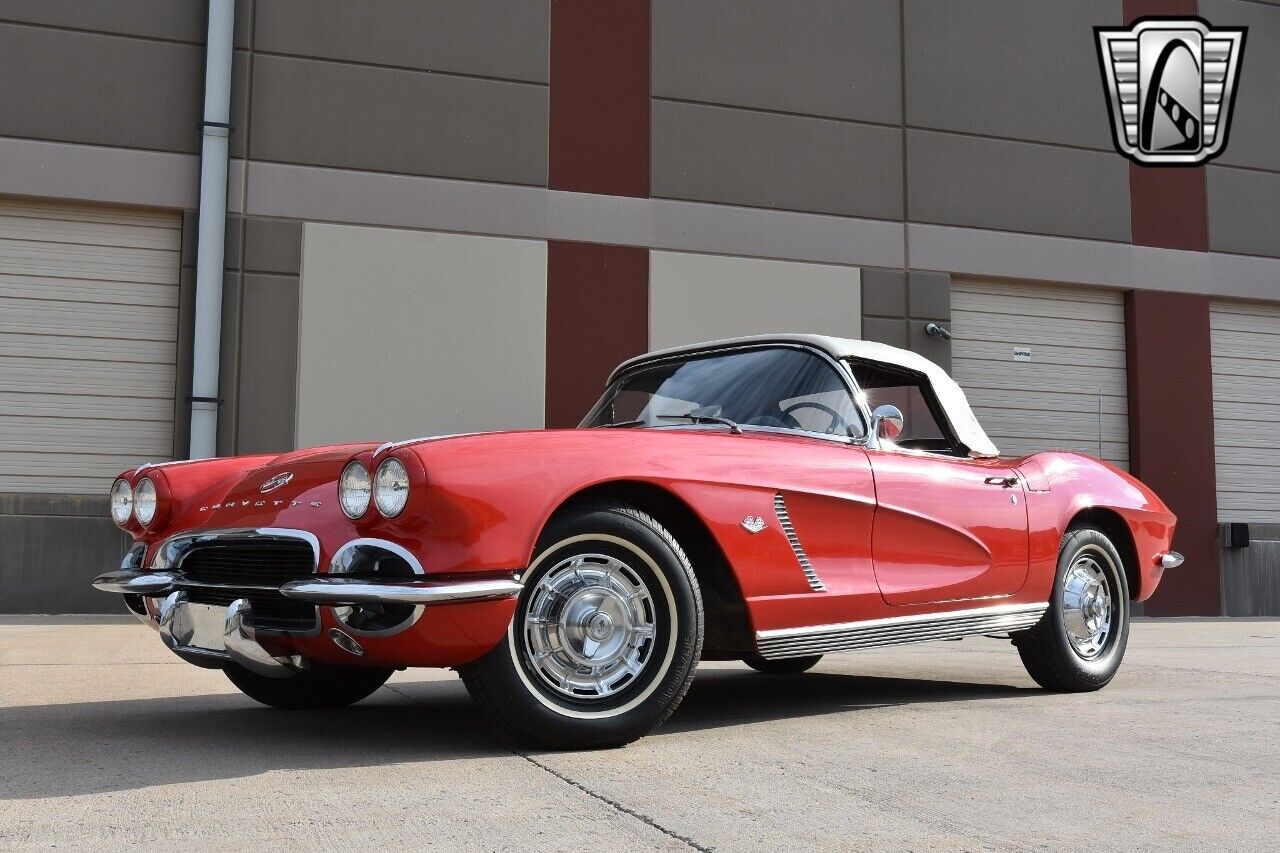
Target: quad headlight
[[355, 488], [121, 502], [144, 501], [391, 487]]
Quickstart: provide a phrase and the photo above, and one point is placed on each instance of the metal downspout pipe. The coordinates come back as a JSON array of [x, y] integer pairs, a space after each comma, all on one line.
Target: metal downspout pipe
[[211, 229]]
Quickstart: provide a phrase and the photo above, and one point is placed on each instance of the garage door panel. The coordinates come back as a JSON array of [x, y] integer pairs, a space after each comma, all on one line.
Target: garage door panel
[[1036, 330], [88, 328], [1076, 338], [84, 290], [115, 408], [47, 317], [85, 233], [983, 374], [1245, 345], [102, 263], [86, 348], [1228, 368], [1055, 401], [1000, 352], [89, 378]]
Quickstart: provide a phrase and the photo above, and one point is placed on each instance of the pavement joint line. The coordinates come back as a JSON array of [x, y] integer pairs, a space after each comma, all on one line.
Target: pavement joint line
[[617, 806], [610, 802]]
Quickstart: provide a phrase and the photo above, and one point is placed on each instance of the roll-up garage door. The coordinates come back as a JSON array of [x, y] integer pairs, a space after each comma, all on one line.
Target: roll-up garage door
[[1043, 366], [1246, 397], [88, 343]]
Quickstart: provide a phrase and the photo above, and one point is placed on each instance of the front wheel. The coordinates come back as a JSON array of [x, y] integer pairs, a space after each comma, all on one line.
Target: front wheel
[[1078, 645], [322, 686], [606, 635]]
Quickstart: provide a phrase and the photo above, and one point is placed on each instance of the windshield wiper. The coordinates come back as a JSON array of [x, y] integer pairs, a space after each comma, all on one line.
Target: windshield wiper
[[621, 424], [705, 419]]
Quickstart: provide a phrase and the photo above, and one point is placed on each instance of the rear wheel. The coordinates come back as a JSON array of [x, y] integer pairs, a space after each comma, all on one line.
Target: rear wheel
[[786, 666], [606, 635], [321, 686], [1079, 643]]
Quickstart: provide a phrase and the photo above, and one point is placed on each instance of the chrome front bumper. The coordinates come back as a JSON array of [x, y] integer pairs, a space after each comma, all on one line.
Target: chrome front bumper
[[334, 591], [211, 636]]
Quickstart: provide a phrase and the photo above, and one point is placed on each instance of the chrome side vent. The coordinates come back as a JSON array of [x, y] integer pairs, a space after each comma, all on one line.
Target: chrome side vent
[[784, 518]]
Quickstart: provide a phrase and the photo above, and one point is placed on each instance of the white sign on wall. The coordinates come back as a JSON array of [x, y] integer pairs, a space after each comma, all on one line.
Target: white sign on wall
[[1021, 353]]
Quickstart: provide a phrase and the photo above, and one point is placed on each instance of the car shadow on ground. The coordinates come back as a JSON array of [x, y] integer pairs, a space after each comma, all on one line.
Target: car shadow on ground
[[93, 747]]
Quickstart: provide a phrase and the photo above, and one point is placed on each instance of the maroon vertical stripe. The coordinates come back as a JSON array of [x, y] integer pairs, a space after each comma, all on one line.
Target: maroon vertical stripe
[[1171, 438], [597, 295], [599, 139], [597, 316], [1167, 203]]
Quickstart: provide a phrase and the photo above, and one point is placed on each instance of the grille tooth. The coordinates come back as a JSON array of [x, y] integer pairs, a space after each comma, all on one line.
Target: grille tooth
[[784, 518], [244, 565]]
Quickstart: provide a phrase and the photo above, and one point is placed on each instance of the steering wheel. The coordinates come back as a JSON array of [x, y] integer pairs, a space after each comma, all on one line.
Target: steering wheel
[[838, 425]]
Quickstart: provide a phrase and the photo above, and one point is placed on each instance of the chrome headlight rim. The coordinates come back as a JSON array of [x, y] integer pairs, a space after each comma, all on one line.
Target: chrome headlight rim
[[391, 487], [146, 501], [121, 501], [361, 491]]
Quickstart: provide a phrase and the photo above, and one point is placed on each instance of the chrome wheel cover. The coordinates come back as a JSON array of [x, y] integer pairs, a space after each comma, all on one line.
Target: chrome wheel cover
[[1088, 612], [589, 626]]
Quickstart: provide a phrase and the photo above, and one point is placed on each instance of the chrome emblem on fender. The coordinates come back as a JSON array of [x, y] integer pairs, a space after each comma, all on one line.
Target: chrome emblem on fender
[[753, 524], [276, 482], [1170, 84]]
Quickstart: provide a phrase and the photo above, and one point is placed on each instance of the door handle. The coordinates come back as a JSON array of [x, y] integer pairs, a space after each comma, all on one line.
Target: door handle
[[1003, 482]]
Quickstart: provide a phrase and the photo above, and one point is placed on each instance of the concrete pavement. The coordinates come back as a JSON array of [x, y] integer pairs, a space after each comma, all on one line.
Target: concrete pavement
[[108, 740]]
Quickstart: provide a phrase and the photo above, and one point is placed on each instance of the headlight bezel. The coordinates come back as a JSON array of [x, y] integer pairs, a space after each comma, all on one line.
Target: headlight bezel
[[154, 501], [127, 503], [394, 507], [343, 489]]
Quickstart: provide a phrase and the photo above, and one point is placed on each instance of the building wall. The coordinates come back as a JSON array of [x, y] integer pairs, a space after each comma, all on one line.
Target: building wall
[[644, 150]]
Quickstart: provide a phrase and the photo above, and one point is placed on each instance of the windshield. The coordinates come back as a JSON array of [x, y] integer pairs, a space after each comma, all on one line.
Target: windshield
[[779, 388]]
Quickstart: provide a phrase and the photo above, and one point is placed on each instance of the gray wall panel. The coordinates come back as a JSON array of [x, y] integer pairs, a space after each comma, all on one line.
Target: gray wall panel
[[1009, 68], [1017, 186], [1255, 122], [496, 38], [54, 546], [268, 363], [379, 119], [1244, 211], [177, 20], [104, 90], [706, 297], [453, 314], [735, 156], [273, 245], [823, 57]]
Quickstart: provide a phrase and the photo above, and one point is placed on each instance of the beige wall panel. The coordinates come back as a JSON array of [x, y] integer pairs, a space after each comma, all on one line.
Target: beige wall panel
[[703, 297], [1076, 337], [88, 343], [410, 333], [1245, 338]]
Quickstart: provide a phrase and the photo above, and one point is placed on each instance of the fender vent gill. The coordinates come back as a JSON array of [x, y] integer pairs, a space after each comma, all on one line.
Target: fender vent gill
[[784, 518]]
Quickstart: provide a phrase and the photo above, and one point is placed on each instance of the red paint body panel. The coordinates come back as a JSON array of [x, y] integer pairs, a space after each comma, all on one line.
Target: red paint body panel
[[888, 533]]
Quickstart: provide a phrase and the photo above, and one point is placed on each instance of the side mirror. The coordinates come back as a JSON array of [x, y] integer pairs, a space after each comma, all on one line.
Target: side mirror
[[886, 422]]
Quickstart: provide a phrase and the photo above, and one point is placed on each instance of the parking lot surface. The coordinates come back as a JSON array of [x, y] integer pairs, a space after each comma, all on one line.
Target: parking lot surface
[[110, 741]]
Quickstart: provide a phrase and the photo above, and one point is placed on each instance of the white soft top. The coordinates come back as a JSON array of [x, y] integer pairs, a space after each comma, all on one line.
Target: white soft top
[[950, 396]]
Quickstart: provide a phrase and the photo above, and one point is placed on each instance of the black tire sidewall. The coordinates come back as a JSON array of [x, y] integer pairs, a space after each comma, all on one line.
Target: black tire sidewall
[[556, 719], [1102, 668]]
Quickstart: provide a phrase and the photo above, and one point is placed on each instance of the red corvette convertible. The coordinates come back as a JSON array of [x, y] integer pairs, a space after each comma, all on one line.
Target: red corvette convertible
[[765, 499]]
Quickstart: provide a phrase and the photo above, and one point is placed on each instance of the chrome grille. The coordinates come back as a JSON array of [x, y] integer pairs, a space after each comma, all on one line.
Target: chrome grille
[[222, 570]]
